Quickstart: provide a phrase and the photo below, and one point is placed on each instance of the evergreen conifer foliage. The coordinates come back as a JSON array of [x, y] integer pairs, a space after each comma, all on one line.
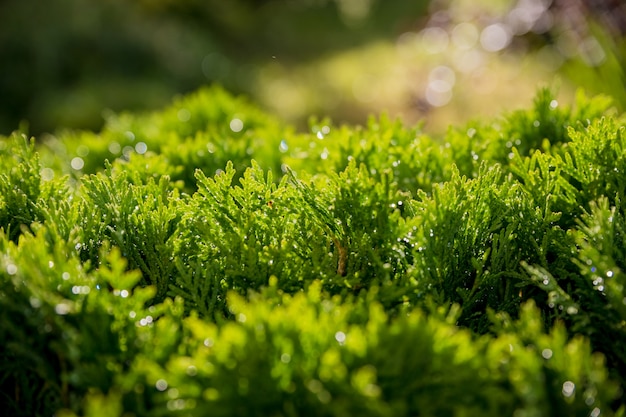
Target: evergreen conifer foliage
[[21, 189], [208, 260], [139, 217]]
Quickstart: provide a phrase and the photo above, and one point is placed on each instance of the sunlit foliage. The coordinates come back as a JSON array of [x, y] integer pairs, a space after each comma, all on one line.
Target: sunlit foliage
[[208, 260]]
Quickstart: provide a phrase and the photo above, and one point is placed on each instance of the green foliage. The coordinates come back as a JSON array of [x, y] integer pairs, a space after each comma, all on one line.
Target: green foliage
[[62, 331], [601, 262], [522, 132], [384, 146], [215, 128], [224, 264], [24, 194], [20, 185], [337, 230], [138, 217], [474, 234]]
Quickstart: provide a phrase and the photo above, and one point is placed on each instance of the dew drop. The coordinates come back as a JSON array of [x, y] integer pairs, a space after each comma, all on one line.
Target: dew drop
[[127, 152], [62, 309], [141, 148], [546, 353], [115, 148], [77, 163], [340, 337], [236, 125], [161, 385], [568, 388], [47, 174], [35, 302]]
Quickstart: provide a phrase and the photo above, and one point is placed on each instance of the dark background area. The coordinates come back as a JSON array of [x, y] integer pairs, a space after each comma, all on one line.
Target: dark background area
[[63, 62]]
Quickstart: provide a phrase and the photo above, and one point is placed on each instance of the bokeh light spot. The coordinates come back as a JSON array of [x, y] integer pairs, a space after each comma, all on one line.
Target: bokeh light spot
[[77, 163], [435, 40], [161, 385], [568, 388], [495, 37], [141, 148], [11, 269], [236, 125], [47, 174], [465, 35]]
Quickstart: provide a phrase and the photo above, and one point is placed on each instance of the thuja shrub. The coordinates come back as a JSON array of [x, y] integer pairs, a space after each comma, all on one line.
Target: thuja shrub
[[24, 196], [214, 126], [138, 216], [207, 259]]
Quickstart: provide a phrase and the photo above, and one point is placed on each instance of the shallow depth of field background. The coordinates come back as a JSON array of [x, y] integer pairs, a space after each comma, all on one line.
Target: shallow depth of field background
[[68, 63]]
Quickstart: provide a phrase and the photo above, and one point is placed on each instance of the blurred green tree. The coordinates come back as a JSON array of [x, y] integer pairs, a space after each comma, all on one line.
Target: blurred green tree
[[65, 62]]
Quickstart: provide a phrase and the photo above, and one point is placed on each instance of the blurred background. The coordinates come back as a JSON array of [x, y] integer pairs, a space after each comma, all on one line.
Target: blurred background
[[65, 63]]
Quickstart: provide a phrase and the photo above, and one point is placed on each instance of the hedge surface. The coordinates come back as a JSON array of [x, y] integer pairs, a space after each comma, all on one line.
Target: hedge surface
[[208, 260]]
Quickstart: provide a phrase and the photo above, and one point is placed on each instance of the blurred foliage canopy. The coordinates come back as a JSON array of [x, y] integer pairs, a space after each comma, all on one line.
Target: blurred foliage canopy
[[63, 64]]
